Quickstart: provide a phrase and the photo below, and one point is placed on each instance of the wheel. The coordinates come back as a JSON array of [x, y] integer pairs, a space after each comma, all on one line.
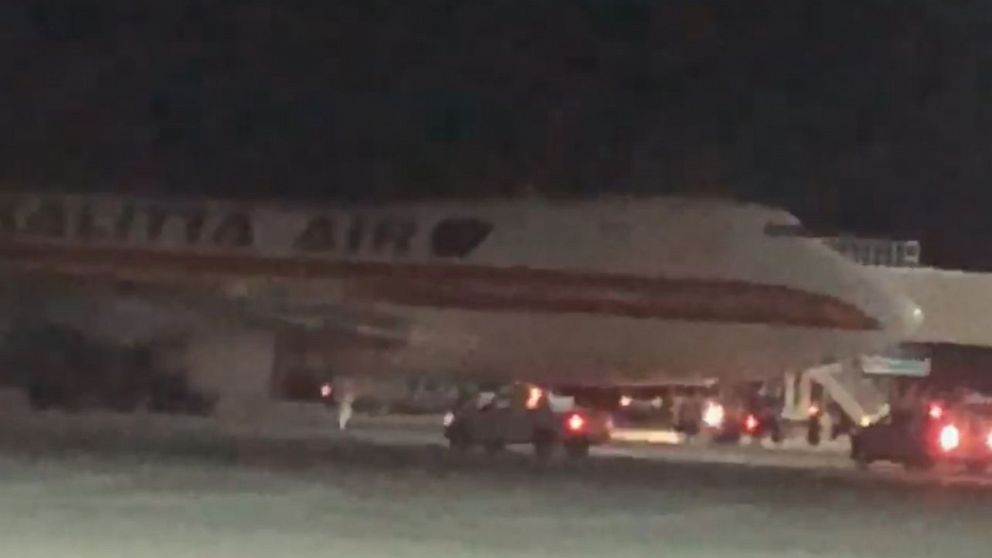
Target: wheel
[[577, 449], [858, 454], [460, 444], [976, 467], [544, 444], [813, 431], [776, 433], [459, 439]]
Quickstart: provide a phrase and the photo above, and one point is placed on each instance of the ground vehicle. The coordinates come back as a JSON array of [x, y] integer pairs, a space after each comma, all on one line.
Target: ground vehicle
[[920, 438], [522, 414], [727, 421], [760, 424], [717, 422]]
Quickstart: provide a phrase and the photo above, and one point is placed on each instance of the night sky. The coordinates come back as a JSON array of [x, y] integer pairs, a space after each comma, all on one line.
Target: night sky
[[867, 116]]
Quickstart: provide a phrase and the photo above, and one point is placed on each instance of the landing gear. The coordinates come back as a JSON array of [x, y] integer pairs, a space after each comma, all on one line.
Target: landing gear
[[43, 397], [813, 429], [61, 368]]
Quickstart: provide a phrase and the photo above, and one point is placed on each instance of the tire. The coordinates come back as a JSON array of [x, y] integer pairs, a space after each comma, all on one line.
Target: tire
[[459, 439], [544, 444], [577, 449], [813, 432], [776, 433], [860, 457], [976, 467]]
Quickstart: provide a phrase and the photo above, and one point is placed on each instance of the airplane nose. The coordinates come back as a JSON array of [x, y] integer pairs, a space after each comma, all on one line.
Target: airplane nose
[[898, 315], [902, 316], [913, 318]]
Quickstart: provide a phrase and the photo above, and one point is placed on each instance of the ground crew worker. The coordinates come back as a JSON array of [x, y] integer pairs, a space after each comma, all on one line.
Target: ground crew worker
[[344, 394]]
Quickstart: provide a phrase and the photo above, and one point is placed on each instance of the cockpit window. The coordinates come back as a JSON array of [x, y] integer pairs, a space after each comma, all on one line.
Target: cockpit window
[[787, 230], [458, 237]]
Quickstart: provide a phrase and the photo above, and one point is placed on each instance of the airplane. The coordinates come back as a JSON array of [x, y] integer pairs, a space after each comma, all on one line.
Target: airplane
[[608, 290]]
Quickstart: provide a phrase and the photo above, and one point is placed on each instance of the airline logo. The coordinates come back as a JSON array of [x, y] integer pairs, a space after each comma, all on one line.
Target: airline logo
[[150, 224]]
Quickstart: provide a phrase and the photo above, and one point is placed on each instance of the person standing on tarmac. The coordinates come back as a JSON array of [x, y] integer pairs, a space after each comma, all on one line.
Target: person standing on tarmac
[[344, 395]]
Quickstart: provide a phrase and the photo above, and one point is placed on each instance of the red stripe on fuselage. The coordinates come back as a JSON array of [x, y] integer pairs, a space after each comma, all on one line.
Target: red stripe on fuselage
[[472, 287]]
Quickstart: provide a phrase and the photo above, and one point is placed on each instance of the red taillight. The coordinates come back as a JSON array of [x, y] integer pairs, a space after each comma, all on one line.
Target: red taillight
[[950, 437], [814, 410], [988, 440], [751, 423], [575, 423], [935, 411], [326, 390]]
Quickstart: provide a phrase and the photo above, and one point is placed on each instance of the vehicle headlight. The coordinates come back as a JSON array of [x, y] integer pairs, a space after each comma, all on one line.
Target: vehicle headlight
[[713, 414], [950, 437]]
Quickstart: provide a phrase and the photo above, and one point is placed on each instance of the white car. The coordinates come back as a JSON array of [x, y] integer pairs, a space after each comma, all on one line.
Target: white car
[[524, 414]]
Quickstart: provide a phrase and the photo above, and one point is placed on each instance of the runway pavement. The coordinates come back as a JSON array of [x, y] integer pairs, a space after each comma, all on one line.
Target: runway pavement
[[104, 485]]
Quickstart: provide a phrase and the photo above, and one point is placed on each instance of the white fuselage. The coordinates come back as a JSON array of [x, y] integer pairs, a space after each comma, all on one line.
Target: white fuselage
[[591, 292]]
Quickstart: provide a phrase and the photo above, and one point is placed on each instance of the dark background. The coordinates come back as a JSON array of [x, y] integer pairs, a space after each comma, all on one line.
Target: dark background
[[868, 116]]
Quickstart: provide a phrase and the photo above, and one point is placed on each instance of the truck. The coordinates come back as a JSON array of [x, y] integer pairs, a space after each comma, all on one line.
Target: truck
[[525, 414], [953, 432]]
